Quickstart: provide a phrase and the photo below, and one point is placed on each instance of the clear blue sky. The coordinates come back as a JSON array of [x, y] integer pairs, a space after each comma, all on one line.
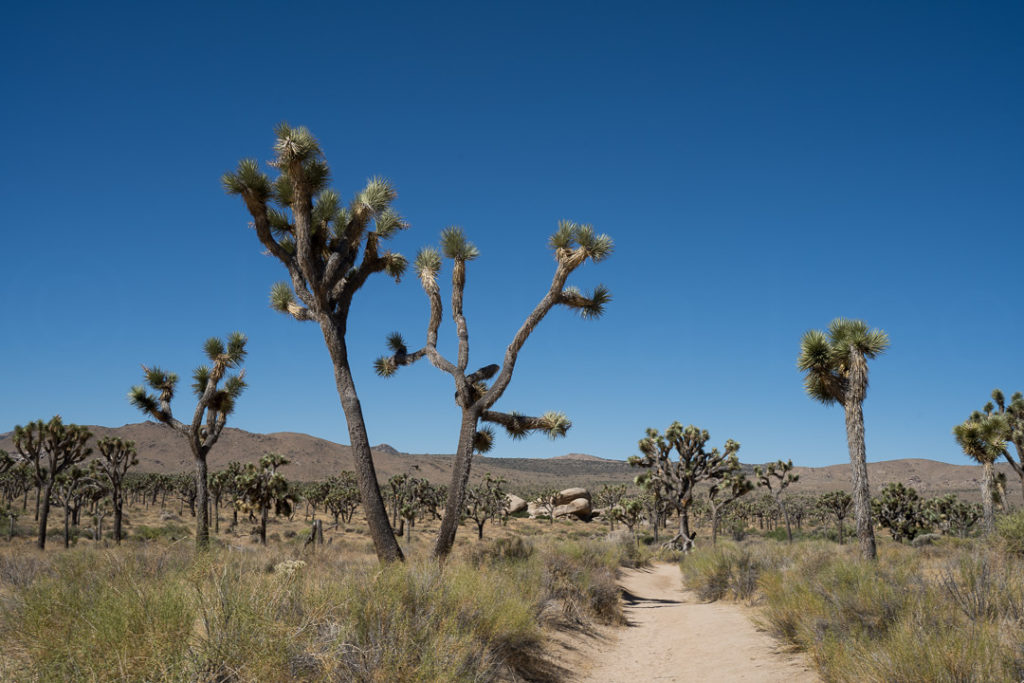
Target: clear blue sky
[[762, 167]]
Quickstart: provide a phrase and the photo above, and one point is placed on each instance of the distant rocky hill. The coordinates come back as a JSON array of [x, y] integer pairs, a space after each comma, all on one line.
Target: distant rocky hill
[[161, 450]]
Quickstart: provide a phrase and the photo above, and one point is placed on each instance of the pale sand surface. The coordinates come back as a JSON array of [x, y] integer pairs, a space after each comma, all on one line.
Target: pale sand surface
[[674, 637]]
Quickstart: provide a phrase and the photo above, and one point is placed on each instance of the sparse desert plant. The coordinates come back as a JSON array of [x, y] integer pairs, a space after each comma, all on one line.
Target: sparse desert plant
[[330, 252], [952, 516], [608, 497], [836, 371], [573, 246], [50, 449], [214, 404]]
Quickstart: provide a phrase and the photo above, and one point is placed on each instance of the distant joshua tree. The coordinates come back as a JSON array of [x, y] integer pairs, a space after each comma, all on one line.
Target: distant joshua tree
[[262, 488], [693, 464], [486, 501], [836, 505], [776, 477], [982, 438], [573, 245], [50, 449], [116, 456], [211, 413], [836, 371], [722, 493], [330, 251], [1014, 415]]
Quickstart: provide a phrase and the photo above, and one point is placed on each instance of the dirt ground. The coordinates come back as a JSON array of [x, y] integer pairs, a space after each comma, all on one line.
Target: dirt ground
[[672, 636]]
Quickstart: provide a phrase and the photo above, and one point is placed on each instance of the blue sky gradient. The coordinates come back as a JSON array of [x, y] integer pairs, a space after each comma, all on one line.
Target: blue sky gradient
[[762, 167]]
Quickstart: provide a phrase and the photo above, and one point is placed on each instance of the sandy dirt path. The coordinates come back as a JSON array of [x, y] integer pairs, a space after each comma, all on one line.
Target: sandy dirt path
[[673, 637]]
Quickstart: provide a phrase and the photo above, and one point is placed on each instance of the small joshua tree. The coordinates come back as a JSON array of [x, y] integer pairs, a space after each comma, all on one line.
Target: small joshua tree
[[608, 496], [983, 438], [50, 448], [329, 251], [836, 371], [215, 403], [547, 501], [262, 488], [724, 492], [573, 245], [835, 505], [693, 465], [486, 501], [951, 515], [116, 456], [898, 509], [776, 477]]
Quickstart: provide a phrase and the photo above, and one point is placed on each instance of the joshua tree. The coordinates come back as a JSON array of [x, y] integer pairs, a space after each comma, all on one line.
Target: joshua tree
[[694, 464], [630, 513], [214, 404], [261, 487], [67, 491], [547, 500], [329, 251], [952, 515], [573, 245], [836, 367], [1014, 433], [608, 497], [982, 438], [898, 509], [775, 477], [486, 501], [50, 448], [722, 493], [342, 497], [835, 504], [116, 456]]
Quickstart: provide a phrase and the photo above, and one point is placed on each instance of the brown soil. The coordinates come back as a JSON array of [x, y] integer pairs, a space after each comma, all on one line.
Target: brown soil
[[672, 636]]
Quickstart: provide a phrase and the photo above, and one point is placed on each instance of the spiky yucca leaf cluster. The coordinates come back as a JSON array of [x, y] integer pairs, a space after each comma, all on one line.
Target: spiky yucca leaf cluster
[[826, 358]]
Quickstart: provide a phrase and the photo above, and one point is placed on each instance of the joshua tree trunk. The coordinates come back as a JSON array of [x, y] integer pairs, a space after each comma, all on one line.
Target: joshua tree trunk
[[200, 507], [263, 526], [457, 486], [67, 526], [118, 514], [373, 504], [714, 526], [42, 514], [684, 519], [853, 406], [987, 487]]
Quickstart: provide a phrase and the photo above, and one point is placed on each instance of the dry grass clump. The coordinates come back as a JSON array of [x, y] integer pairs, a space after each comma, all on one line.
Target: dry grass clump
[[947, 612], [156, 612]]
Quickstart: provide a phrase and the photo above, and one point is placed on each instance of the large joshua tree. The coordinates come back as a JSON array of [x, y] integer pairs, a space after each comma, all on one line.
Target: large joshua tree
[[983, 438], [50, 449], [573, 245], [835, 364], [214, 404], [329, 250]]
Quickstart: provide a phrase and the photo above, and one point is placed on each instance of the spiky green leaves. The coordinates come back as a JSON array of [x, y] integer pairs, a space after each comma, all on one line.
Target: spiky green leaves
[[294, 144], [589, 307], [454, 245], [983, 437], [582, 240], [377, 194], [827, 359], [385, 366], [248, 181], [388, 223], [396, 343], [160, 380], [145, 402], [230, 354], [483, 441], [427, 265], [281, 297]]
